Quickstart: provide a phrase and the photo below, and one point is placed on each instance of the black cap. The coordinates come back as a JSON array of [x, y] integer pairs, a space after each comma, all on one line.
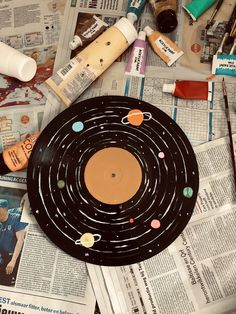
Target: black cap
[[3, 167], [166, 21]]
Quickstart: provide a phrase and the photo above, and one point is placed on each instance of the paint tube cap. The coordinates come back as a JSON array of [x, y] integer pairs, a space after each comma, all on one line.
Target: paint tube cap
[[127, 29], [168, 88], [132, 17], [166, 21], [148, 30], [75, 42], [142, 35]]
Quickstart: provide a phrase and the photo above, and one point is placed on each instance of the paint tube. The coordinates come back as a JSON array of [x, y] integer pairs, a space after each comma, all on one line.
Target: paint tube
[[86, 34], [224, 65], [16, 64], [165, 48], [134, 10], [190, 90], [164, 13], [68, 83], [137, 59], [198, 7], [17, 156]]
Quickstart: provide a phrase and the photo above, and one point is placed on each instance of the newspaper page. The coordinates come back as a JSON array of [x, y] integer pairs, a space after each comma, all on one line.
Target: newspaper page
[[195, 274], [44, 278], [32, 27]]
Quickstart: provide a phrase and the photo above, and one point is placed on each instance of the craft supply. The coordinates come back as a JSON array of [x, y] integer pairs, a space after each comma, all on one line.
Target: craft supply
[[196, 8], [229, 129], [217, 8], [227, 39], [86, 34], [233, 47], [112, 180], [190, 90], [224, 65], [72, 80], [16, 157], [137, 59], [15, 64], [233, 30], [164, 13], [135, 9], [165, 48]]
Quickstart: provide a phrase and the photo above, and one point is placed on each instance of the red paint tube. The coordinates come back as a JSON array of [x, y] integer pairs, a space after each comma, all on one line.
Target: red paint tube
[[190, 90]]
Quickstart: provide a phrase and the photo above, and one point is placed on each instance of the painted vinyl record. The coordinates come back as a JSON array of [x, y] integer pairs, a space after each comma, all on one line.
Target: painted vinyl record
[[112, 180]]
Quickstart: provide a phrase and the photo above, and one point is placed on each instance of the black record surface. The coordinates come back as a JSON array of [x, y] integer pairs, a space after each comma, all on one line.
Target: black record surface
[[119, 234]]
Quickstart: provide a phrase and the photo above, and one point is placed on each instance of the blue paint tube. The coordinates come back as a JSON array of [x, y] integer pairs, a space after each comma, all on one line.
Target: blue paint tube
[[134, 10], [224, 65], [198, 7]]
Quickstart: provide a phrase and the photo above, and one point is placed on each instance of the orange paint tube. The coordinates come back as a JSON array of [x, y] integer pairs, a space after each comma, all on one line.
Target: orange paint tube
[[17, 156], [165, 48]]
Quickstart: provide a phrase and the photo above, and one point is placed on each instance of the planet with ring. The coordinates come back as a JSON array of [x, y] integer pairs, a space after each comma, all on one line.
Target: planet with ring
[[136, 117]]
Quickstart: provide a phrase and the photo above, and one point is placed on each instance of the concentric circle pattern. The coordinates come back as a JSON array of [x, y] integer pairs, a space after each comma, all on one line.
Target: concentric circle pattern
[[123, 233]]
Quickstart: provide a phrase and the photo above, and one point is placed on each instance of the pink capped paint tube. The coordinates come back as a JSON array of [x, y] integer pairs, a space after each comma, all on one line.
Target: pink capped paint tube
[[137, 59], [190, 90]]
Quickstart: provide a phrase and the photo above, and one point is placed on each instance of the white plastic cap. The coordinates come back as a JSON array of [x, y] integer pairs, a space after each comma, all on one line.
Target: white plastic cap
[[75, 42], [148, 30], [142, 35], [127, 29], [22, 67], [168, 88], [132, 17]]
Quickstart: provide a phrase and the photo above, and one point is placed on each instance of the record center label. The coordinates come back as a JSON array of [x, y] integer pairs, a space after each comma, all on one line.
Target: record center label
[[113, 175]]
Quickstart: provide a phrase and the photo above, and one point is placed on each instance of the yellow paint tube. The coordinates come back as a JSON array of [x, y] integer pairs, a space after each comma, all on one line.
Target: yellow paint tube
[[70, 82], [165, 48]]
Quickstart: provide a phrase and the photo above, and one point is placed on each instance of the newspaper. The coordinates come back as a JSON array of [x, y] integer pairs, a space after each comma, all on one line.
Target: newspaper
[[196, 273], [47, 279], [32, 27]]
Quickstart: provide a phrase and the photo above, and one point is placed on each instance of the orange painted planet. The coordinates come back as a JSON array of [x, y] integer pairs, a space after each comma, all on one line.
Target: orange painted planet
[[136, 117]]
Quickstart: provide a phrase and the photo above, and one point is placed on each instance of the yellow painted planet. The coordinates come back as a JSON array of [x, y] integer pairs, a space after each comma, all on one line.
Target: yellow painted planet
[[87, 239]]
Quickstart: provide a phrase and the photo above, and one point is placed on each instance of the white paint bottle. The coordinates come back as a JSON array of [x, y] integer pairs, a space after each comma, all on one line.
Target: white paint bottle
[[69, 83], [15, 64]]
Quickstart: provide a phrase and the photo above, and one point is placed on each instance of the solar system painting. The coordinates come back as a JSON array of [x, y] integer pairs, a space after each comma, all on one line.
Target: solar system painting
[[112, 180]]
